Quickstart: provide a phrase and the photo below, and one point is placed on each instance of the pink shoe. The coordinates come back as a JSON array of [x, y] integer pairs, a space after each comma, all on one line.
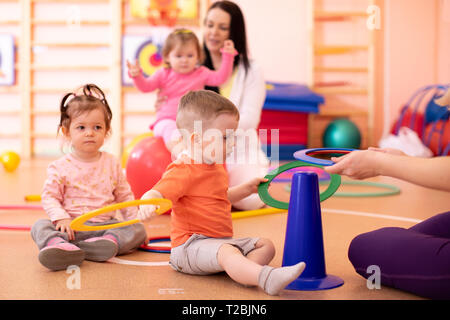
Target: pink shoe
[[99, 248], [60, 254]]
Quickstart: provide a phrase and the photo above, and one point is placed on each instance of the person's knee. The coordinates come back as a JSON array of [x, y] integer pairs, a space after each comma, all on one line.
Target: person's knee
[[129, 238], [358, 246], [139, 229], [266, 245], [40, 224], [370, 247]]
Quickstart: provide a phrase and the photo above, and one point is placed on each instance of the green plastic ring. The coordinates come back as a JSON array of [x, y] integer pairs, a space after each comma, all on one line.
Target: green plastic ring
[[391, 190], [263, 189]]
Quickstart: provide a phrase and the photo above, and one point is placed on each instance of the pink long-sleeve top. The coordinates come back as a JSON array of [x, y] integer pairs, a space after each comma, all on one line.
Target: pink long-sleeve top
[[174, 85], [74, 187]]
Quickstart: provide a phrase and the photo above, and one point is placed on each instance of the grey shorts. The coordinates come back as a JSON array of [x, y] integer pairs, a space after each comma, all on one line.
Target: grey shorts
[[198, 255]]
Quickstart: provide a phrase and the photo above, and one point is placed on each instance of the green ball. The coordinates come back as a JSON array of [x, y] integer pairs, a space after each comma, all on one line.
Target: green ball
[[341, 133]]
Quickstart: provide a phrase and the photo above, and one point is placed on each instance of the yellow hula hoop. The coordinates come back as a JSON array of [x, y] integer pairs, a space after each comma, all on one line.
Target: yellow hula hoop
[[254, 213], [78, 223]]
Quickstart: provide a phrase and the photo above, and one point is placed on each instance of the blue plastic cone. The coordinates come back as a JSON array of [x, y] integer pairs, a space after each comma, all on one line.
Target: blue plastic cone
[[304, 237]]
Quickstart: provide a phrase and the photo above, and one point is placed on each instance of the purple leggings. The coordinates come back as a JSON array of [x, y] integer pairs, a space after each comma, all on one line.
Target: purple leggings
[[416, 260]]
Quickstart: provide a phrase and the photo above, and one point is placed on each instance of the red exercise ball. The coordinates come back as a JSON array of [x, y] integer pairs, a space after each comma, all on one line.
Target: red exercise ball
[[146, 163]]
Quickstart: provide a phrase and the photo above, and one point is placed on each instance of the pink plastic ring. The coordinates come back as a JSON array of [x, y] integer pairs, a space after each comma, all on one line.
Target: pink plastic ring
[[14, 227], [21, 207]]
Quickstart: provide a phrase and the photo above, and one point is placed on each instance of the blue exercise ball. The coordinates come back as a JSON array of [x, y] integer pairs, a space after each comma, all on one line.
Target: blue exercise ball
[[341, 133]]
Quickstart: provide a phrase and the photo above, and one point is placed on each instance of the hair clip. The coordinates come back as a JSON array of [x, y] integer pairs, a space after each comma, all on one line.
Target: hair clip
[[178, 31]]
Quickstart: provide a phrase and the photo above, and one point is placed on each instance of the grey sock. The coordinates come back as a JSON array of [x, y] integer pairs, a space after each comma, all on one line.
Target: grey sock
[[273, 280]]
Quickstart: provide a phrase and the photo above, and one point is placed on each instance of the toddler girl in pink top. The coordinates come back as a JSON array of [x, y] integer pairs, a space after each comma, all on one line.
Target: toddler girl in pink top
[[81, 181], [183, 55]]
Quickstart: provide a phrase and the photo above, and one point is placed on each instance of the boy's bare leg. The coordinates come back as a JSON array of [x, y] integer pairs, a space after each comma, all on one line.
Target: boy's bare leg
[[263, 253], [237, 266], [247, 272]]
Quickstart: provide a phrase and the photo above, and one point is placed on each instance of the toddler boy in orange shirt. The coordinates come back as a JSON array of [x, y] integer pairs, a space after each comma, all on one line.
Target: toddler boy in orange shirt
[[197, 184]]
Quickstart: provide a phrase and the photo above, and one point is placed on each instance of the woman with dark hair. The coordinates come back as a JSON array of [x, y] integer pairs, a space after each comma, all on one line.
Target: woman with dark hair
[[233, 28], [245, 88]]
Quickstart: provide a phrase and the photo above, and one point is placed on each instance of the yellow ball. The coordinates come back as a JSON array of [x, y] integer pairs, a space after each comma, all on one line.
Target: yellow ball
[[33, 197], [10, 160]]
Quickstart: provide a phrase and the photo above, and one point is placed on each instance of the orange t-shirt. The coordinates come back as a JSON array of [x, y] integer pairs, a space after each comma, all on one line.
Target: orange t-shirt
[[199, 200]]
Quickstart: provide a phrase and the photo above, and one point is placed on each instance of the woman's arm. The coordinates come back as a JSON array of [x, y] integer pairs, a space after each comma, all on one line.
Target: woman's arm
[[253, 97], [427, 172]]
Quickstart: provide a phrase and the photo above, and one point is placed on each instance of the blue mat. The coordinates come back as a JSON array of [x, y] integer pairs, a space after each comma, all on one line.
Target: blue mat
[[291, 97], [285, 151]]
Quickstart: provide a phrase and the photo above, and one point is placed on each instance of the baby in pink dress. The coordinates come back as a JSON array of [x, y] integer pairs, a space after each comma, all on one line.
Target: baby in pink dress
[[81, 181], [182, 54]]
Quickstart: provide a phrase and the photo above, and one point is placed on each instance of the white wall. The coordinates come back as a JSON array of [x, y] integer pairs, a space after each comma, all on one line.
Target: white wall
[[277, 37]]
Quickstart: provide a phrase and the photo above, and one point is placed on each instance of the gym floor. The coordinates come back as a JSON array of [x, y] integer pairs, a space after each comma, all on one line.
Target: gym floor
[[145, 275]]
